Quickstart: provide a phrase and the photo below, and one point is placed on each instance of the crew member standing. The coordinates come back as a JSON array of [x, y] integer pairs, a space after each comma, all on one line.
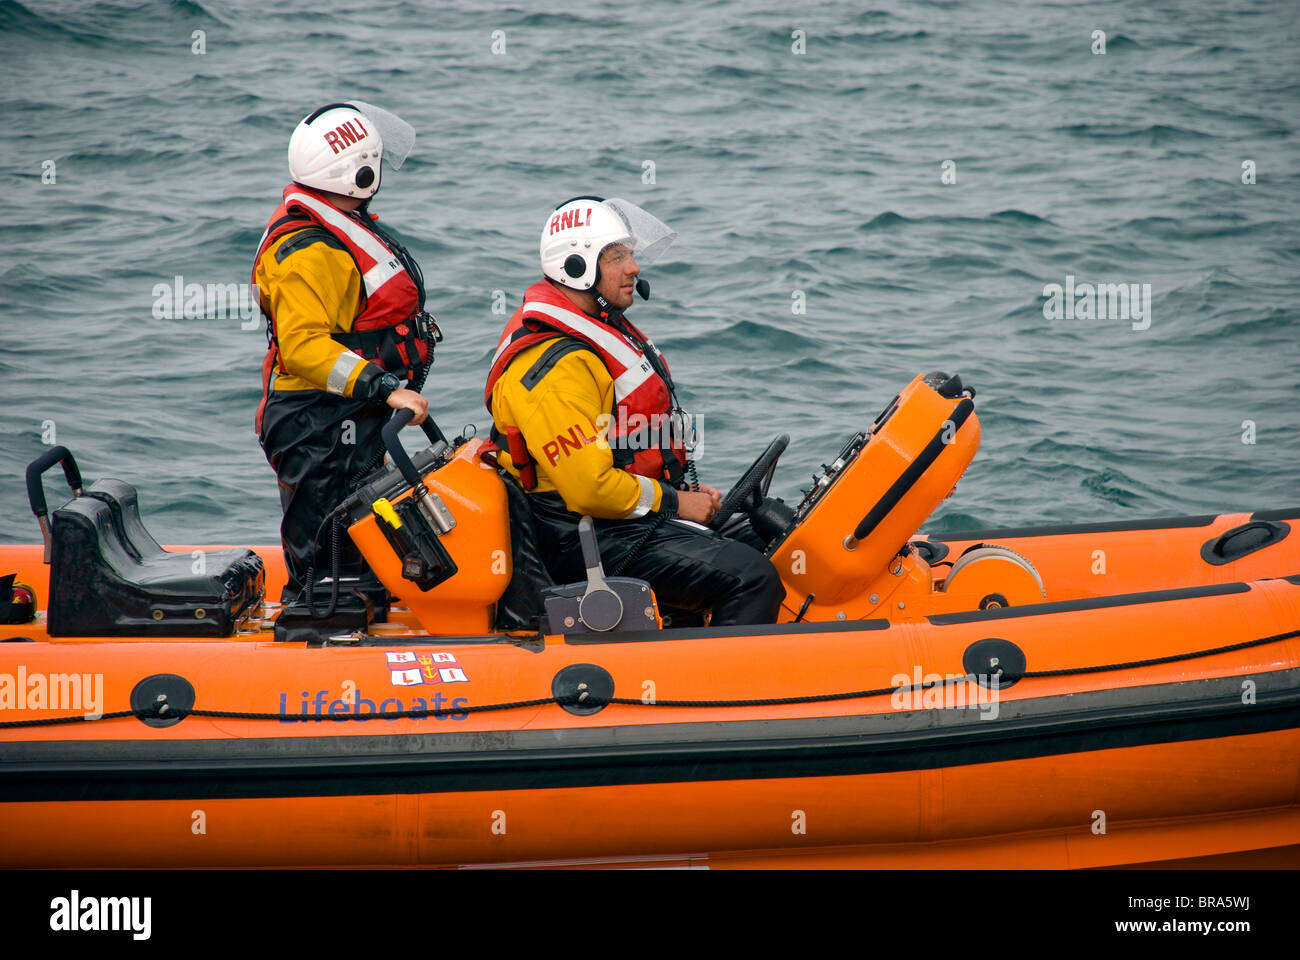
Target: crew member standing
[[346, 326]]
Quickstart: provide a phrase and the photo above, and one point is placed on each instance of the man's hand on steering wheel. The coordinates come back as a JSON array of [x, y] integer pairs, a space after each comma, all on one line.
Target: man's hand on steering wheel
[[753, 484], [699, 505]]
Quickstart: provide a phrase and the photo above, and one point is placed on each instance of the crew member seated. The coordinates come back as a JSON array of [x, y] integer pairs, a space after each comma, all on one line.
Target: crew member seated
[[586, 417]]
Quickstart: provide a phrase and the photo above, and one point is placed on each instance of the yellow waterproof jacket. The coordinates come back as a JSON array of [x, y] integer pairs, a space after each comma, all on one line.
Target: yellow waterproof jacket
[[311, 286], [564, 419]]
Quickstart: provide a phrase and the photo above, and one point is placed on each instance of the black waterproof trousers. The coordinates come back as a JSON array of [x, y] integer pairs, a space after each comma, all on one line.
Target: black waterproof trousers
[[690, 568], [320, 445]]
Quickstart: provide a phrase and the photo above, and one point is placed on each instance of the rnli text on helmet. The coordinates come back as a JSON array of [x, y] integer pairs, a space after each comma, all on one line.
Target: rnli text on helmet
[[343, 136], [569, 219]]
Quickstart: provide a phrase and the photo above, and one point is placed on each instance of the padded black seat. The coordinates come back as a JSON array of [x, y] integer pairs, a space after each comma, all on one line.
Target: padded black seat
[[109, 577], [124, 501]]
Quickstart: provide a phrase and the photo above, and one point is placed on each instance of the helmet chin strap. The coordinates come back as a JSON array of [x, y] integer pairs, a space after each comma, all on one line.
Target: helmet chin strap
[[606, 309]]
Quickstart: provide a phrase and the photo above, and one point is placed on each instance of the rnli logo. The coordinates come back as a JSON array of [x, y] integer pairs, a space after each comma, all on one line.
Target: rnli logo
[[346, 134], [565, 443], [409, 669], [570, 219]]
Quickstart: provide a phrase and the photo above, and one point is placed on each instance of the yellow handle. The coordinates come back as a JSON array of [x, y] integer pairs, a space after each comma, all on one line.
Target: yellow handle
[[385, 510]]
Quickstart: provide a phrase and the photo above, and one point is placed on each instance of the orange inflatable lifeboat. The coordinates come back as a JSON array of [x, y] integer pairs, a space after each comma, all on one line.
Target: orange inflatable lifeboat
[[1072, 696]]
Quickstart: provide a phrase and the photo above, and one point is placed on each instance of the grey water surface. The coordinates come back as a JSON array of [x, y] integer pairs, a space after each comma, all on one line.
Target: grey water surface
[[799, 149]]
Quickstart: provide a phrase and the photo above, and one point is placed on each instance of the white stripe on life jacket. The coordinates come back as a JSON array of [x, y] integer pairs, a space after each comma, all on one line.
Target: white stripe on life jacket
[[386, 264], [637, 369]]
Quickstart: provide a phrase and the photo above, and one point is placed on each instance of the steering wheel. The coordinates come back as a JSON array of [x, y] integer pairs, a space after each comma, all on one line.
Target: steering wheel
[[753, 484]]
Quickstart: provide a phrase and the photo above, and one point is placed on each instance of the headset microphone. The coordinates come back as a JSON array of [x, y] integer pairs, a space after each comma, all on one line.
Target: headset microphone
[[643, 287]]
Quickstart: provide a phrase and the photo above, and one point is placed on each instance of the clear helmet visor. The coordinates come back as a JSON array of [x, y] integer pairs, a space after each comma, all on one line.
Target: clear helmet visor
[[648, 236], [398, 135]]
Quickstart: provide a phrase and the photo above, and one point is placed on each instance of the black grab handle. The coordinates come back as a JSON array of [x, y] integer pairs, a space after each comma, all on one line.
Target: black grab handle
[[393, 427], [36, 492], [913, 472]]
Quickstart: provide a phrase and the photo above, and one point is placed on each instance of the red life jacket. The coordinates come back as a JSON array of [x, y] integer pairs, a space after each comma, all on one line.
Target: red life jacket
[[385, 330], [643, 399]]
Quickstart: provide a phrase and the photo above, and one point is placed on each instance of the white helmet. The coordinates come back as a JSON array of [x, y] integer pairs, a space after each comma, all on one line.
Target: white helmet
[[338, 148], [581, 229]]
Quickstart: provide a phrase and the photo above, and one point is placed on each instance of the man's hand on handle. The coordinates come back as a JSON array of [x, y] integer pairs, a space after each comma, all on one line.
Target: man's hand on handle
[[403, 399]]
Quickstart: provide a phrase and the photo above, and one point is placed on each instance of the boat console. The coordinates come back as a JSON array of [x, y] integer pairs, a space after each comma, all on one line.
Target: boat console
[[843, 552]]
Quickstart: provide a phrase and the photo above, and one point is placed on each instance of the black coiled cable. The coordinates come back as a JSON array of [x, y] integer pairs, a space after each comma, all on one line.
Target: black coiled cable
[[336, 538]]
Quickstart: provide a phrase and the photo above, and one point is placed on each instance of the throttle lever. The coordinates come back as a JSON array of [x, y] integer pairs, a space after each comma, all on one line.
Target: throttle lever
[[600, 607]]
